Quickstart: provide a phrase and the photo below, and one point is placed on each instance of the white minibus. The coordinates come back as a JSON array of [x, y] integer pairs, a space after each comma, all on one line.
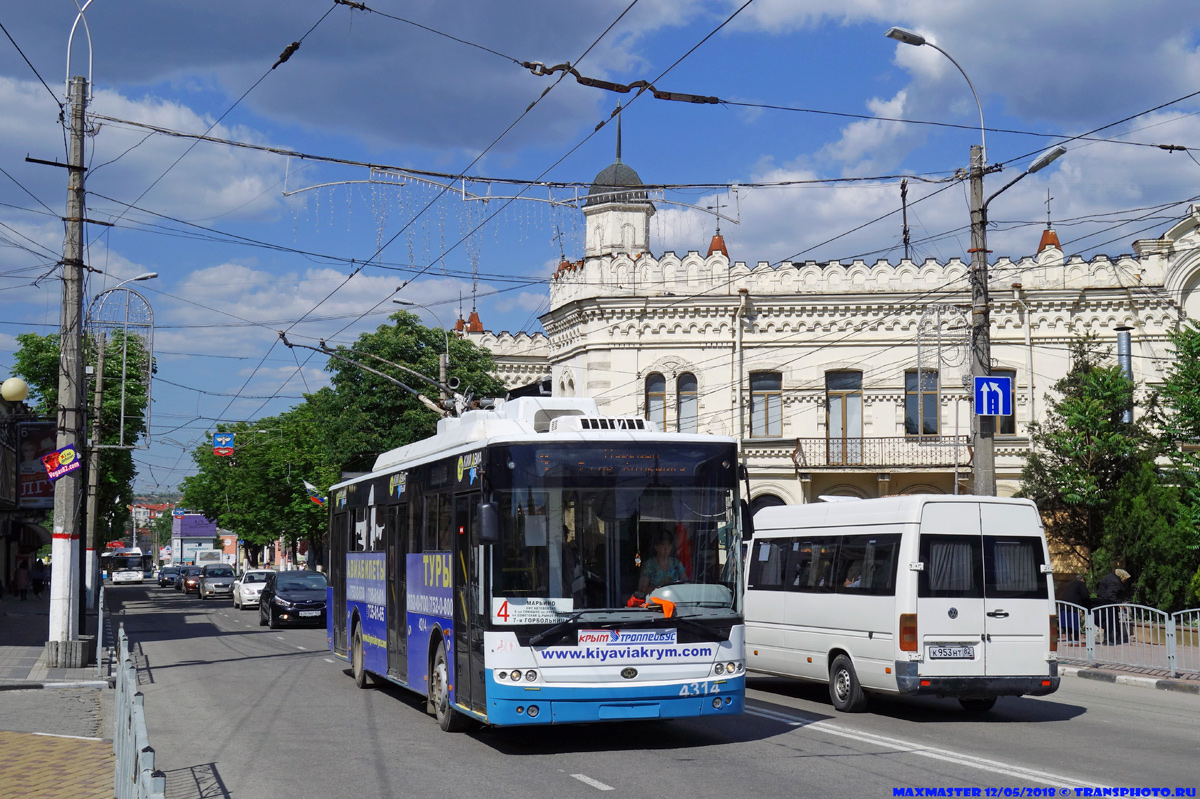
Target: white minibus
[[949, 596]]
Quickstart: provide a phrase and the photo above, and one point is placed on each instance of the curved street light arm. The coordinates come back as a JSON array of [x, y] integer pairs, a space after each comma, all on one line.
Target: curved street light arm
[[982, 134]]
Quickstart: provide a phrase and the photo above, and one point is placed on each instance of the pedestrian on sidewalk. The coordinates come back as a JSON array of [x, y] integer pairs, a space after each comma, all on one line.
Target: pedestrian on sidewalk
[[1114, 590], [1070, 619], [21, 580], [39, 578]]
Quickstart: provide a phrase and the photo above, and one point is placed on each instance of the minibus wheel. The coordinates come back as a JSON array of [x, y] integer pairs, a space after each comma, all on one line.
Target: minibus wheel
[[844, 689], [978, 704]]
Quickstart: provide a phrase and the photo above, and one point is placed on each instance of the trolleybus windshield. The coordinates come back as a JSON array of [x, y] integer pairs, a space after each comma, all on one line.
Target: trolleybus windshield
[[581, 526]]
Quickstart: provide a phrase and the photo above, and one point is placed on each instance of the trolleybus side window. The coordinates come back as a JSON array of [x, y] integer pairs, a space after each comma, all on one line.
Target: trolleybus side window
[[953, 566]]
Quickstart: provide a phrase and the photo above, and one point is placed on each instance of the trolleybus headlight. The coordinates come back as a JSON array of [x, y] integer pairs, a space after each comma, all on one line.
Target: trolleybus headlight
[[717, 703], [502, 675], [719, 669], [533, 711], [731, 667], [516, 676], [530, 675]]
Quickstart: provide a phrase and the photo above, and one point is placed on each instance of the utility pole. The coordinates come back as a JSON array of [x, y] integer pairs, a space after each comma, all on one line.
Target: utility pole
[[984, 461], [94, 480], [64, 649]]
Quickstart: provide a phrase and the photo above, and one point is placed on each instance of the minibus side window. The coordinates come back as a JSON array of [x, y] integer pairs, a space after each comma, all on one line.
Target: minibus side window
[[867, 565], [766, 565], [1013, 568], [953, 567]]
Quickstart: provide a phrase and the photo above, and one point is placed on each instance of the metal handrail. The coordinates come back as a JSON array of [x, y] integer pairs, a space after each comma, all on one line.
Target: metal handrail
[[134, 776]]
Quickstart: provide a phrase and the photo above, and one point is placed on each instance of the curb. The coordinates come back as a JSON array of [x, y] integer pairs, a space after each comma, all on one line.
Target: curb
[[33, 685], [1129, 679]]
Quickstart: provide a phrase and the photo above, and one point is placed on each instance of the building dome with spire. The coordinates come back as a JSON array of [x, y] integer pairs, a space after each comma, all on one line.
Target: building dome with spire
[[618, 211], [607, 186]]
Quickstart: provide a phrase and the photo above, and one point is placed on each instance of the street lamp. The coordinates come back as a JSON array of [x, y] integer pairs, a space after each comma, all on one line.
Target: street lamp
[[916, 40], [444, 358], [984, 460], [142, 276], [14, 389]]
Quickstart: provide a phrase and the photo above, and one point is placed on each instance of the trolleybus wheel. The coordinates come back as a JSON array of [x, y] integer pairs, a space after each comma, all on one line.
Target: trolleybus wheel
[[978, 704], [356, 660], [844, 690], [448, 718]]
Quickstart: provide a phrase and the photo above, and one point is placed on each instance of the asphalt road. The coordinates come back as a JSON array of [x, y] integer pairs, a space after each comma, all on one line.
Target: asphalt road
[[237, 710]]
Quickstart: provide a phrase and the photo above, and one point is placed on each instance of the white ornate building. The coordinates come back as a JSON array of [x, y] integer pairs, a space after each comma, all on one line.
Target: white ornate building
[[819, 368]]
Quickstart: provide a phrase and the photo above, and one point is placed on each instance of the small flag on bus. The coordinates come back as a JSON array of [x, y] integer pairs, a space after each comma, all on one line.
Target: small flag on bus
[[313, 493]]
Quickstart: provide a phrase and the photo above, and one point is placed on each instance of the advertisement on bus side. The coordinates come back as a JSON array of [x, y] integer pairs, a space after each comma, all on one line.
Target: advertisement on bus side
[[430, 598], [366, 593]]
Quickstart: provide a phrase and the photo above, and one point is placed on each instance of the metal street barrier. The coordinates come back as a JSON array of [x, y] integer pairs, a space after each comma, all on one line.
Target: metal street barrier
[[134, 776], [1130, 635]]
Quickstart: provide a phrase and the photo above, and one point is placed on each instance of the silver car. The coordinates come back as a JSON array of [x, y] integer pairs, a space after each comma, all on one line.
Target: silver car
[[216, 579], [248, 586]]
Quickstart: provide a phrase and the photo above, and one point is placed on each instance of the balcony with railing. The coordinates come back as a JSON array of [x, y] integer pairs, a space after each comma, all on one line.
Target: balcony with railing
[[882, 452]]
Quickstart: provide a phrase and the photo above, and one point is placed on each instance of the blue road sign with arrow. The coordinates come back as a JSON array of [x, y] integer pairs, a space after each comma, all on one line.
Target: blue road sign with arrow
[[993, 396]]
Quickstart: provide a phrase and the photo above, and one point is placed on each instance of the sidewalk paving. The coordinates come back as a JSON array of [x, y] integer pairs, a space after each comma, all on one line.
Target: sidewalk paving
[[54, 744]]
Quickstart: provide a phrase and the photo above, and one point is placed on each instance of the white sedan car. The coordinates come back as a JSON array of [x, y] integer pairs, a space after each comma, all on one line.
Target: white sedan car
[[247, 586]]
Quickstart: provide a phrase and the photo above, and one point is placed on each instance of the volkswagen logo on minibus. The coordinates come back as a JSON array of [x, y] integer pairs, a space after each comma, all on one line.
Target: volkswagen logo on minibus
[[952, 613]]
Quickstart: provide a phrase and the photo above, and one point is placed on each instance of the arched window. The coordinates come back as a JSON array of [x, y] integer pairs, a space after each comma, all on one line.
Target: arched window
[[686, 393], [764, 501], [656, 400]]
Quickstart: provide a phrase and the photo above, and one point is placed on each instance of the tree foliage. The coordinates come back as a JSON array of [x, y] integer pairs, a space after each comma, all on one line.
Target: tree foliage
[[259, 492], [1149, 531], [37, 361], [1082, 449], [365, 414]]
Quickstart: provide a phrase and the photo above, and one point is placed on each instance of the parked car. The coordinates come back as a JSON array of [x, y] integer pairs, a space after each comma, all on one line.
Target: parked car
[[167, 575], [189, 580], [216, 579], [248, 586], [296, 597]]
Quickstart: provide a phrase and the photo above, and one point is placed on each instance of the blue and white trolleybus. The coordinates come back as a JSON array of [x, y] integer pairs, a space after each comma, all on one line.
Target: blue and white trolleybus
[[499, 568]]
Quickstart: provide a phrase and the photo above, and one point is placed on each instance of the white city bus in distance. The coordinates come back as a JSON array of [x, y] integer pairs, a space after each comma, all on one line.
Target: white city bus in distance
[[920, 594], [127, 565]]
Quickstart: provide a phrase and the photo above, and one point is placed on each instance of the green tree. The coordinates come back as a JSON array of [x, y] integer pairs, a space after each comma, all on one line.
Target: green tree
[[1150, 532], [258, 492], [1180, 411], [1082, 450], [37, 362], [364, 414]]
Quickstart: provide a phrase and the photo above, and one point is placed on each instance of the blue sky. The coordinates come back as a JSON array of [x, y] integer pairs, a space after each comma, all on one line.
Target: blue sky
[[239, 259]]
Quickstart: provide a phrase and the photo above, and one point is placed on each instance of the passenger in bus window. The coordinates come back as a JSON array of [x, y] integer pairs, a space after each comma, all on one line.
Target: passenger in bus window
[[853, 576], [664, 567]]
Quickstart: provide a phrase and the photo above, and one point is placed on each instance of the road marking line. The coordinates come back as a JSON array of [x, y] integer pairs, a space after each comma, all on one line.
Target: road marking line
[[926, 751], [586, 780], [280, 637], [76, 737], [300, 647], [329, 660]]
